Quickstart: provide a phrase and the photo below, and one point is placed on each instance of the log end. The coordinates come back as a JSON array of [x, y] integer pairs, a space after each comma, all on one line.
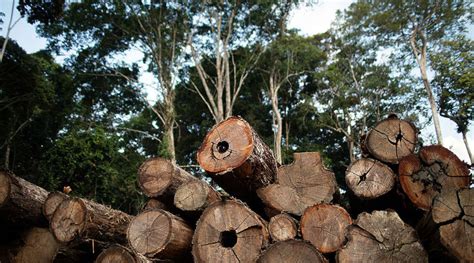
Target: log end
[[39, 246], [291, 251], [5, 187], [69, 220], [155, 175], [192, 196], [115, 254], [369, 179], [52, 202], [282, 227]]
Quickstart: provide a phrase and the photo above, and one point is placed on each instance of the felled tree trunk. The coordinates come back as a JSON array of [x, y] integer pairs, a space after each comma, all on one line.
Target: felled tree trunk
[[434, 169], [195, 195], [324, 226], [228, 231], [52, 202], [77, 218], [237, 159], [160, 234], [369, 178], [391, 139], [291, 251], [21, 202], [303, 183], [381, 237], [282, 227]]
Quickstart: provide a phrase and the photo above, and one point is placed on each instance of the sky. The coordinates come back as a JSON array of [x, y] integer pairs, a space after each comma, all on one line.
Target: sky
[[309, 19]]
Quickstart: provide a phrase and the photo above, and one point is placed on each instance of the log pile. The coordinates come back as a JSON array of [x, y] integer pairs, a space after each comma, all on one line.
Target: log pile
[[401, 205]]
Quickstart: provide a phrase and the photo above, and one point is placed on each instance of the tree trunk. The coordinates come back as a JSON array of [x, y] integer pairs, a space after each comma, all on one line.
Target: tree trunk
[[324, 226], [169, 140], [369, 178], [228, 231], [424, 176], [77, 218], [466, 143], [195, 195], [282, 227], [391, 139], [237, 159], [52, 202], [291, 251], [277, 121], [381, 237], [159, 234]]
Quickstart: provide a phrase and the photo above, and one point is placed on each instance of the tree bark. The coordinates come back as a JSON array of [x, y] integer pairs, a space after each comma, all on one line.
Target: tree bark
[[277, 121], [169, 139], [77, 218], [228, 231], [369, 178], [195, 195], [291, 251], [282, 227], [52, 202], [381, 236], [434, 169], [466, 143], [159, 234]]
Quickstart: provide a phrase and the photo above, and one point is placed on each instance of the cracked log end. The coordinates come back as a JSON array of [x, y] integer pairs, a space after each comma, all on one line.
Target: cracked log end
[[324, 226], [159, 234], [282, 227], [391, 139], [195, 195], [52, 202], [291, 251], [69, 220], [228, 231], [381, 236], [369, 178], [5, 187], [39, 245], [115, 254], [424, 176]]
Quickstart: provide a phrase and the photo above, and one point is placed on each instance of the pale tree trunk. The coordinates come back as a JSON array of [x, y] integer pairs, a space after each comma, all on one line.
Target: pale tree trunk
[[9, 28], [276, 116], [466, 143]]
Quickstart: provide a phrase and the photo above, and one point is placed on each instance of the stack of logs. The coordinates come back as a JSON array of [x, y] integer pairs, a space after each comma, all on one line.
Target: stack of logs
[[402, 204]]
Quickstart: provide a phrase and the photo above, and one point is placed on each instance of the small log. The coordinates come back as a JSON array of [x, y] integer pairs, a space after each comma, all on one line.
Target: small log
[[154, 204], [52, 202], [159, 234], [195, 195], [120, 254], [38, 246], [381, 236], [160, 177], [282, 227], [324, 226], [77, 218], [21, 202], [392, 139], [291, 251], [369, 178], [228, 231], [237, 158], [434, 169]]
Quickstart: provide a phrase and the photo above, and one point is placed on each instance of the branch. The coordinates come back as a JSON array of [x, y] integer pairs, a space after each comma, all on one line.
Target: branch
[[141, 132]]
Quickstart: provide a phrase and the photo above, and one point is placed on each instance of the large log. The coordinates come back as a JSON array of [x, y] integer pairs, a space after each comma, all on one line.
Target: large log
[[38, 246], [391, 139], [77, 218], [282, 227], [325, 226], [160, 234], [303, 183], [291, 251], [381, 237], [434, 169], [21, 202], [120, 254], [195, 195], [369, 178], [52, 202], [237, 158], [228, 231]]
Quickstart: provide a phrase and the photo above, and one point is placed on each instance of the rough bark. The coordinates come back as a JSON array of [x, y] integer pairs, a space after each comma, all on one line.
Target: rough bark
[[228, 231], [77, 218], [434, 169], [237, 159], [21, 202], [291, 251], [195, 195], [381, 237], [369, 178], [52, 202], [324, 226], [303, 183], [282, 227], [392, 139], [159, 234]]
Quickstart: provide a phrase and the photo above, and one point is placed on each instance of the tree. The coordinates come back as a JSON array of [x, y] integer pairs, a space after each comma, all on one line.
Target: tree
[[410, 27], [454, 80], [10, 26]]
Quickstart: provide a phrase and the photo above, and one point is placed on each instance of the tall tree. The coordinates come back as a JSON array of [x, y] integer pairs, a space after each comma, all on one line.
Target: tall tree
[[10, 26]]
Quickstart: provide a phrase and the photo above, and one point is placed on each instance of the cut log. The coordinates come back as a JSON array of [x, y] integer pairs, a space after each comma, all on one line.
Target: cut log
[[369, 178], [291, 251], [52, 202], [21, 202], [80, 218], [237, 158], [120, 254], [381, 237], [38, 246], [159, 234], [392, 139], [228, 231], [282, 227], [453, 211], [434, 169], [303, 183], [160, 177], [154, 204], [325, 226], [195, 195]]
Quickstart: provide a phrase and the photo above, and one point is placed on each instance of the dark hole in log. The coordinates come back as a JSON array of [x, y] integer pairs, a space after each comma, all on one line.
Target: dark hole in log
[[222, 146], [362, 178], [399, 136], [228, 238]]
